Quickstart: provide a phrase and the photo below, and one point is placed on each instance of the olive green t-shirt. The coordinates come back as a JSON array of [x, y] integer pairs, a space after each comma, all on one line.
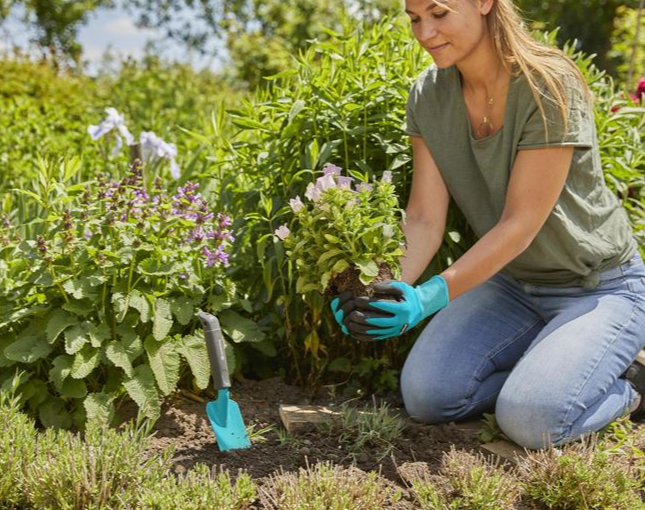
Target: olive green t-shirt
[[587, 231]]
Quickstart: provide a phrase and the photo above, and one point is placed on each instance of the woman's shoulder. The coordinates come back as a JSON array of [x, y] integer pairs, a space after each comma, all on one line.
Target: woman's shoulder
[[433, 83]]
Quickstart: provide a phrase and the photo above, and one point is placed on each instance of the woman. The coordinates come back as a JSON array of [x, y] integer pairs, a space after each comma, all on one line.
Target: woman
[[541, 318]]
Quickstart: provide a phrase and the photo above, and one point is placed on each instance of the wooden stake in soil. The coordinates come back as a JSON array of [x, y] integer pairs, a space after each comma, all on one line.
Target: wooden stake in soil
[[299, 417]]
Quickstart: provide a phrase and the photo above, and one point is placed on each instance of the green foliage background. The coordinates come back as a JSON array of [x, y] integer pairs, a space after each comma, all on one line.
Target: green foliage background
[[341, 100]]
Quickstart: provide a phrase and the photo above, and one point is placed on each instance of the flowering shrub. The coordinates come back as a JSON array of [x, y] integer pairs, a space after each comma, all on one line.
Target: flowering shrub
[[99, 297], [344, 238]]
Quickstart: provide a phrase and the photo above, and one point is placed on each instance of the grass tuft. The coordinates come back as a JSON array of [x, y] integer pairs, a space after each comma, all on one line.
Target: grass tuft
[[199, 489], [328, 487], [103, 468], [17, 449], [373, 427], [582, 476], [466, 482]]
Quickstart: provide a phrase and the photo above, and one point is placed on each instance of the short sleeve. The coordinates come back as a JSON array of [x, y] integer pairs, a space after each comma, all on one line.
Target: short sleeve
[[580, 125], [412, 128]]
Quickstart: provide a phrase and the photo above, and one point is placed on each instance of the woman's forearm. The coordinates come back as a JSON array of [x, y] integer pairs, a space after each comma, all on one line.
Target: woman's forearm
[[423, 239], [487, 257]]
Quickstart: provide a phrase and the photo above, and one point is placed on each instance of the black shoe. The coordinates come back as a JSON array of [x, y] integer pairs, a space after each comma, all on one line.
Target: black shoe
[[635, 374]]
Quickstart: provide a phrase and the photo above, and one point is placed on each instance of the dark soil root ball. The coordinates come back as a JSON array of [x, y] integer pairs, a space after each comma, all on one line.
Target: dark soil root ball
[[349, 280]]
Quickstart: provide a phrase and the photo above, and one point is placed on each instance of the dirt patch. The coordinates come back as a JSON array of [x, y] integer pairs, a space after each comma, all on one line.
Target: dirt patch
[[184, 426]]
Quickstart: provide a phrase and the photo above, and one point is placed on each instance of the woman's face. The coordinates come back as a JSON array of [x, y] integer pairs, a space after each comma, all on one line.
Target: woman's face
[[451, 30]]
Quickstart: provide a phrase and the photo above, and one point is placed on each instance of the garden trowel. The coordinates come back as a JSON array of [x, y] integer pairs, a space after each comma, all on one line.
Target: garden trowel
[[223, 413]]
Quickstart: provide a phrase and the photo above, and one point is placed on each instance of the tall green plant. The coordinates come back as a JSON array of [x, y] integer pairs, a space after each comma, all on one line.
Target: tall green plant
[[343, 101]]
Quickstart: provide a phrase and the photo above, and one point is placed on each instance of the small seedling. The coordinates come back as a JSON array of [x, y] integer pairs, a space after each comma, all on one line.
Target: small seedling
[[286, 438], [490, 430], [371, 427], [259, 436]]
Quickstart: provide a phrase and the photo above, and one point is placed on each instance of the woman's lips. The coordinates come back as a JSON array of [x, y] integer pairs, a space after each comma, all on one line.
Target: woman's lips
[[435, 49]]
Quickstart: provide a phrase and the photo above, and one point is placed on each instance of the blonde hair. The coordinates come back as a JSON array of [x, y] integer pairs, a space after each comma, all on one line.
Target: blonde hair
[[538, 63]]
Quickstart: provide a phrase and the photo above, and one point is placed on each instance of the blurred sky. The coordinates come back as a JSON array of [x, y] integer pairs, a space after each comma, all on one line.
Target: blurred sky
[[112, 30]]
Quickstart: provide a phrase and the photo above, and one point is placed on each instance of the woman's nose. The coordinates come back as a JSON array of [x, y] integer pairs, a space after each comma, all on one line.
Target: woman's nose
[[426, 30]]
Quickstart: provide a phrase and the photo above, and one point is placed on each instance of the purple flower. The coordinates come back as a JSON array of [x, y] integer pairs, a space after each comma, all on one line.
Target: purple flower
[[345, 182], [326, 182], [224, 221], [364, 186], [330, 169], [214, 257], [387, 176]]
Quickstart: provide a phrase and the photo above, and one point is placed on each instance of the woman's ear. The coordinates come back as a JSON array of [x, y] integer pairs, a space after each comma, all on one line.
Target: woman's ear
[[485, 6]]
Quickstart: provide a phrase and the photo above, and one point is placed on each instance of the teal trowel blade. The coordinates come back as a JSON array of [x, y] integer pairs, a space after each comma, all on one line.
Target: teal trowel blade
[[226, 420]]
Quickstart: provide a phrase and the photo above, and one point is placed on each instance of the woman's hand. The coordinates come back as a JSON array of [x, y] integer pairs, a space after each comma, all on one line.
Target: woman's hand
[[402, 308]]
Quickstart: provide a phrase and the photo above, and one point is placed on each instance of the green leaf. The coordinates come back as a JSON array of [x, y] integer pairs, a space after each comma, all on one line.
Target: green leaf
[[85, 361], [62, 367], [52, 414], [116, 352], [81, 308], [120, 304], [139, 302], [343, 365], [329, 254], [57, 322], [28, 348], [5, 341], [240, 329], [154, 267], [339, 266], [193, 349], [162, 319], [80, 289], [164, 362], [75, 339], [332, 239], [143, 390], [182, 308], [98, 334], [99, 408], [367, 267], [73, 388]]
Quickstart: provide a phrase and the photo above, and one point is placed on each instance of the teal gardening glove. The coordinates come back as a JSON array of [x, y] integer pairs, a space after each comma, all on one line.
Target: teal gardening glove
[[405, 307], [341, 307]]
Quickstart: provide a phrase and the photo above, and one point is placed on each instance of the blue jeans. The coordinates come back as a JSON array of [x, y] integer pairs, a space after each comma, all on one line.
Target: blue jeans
[[546, 360]]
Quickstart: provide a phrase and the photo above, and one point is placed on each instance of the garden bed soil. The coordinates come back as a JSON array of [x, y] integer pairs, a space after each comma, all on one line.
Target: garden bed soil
[[184, 426]]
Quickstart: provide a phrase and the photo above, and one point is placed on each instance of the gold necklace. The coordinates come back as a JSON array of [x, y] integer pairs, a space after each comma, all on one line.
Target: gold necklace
[[485, 127]]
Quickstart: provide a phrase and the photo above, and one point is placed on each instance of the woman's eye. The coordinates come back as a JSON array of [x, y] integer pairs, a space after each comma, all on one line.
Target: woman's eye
[[415, 20], [440, 14]]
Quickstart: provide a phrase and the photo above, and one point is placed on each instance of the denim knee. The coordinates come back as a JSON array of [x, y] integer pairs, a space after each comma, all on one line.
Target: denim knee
[[429, 398], [525, 424]]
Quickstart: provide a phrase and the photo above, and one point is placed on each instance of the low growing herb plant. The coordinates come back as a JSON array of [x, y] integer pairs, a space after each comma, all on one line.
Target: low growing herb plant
[[344, 236], [99, 295]]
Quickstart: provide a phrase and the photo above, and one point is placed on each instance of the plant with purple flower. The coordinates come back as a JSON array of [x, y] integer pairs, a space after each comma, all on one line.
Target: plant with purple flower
[[341, 236], [105, 288]]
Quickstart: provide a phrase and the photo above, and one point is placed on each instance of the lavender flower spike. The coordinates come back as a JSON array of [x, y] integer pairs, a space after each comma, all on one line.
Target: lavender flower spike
[[114, 120], [387, 176]]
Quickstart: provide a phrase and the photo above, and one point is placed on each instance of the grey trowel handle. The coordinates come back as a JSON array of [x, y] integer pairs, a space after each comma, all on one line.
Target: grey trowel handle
[[215, 347]]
